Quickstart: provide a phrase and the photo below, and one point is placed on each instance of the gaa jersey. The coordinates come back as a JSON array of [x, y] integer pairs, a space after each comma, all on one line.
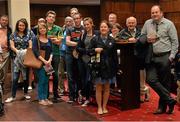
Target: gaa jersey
[[56, 31]]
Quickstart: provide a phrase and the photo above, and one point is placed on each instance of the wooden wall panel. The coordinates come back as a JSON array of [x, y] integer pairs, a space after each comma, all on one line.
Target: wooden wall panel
[[175, 17], [170, 5], [125, 8], [171, 11], [62, 11], [144, 7], [142, 10], [3, 7], [141, 18]]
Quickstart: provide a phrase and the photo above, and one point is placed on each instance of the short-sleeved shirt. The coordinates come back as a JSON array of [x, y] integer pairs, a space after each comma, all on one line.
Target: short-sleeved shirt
[[21, 42], [55, 31], [75, 34]]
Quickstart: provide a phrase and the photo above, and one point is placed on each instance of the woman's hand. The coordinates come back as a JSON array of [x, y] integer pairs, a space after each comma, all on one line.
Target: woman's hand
[[45, 62], [98, 50], [49, 61], [16, 51]]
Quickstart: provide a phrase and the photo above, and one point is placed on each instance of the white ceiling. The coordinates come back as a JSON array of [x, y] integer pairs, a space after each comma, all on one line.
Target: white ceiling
[[67, 2]]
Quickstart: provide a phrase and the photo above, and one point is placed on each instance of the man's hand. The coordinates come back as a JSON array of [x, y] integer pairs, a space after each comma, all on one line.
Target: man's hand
[[133, 40], [56, 41], [151, 39], [171, 58]]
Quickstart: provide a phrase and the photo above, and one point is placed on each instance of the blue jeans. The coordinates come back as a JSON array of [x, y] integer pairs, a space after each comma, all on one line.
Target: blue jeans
[[16, 76], [42, 84]]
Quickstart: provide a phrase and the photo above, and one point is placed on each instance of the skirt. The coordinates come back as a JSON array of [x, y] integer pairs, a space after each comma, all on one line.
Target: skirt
[[103, 81]]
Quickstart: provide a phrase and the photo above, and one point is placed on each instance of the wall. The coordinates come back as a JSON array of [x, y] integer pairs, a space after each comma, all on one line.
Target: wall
[[3, 7], [172, 11], [141, 10], [62, 11], [125, 8]]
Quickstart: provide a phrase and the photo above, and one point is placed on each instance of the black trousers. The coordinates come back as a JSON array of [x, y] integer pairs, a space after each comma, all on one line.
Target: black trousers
[[159, 78], [55, 64]]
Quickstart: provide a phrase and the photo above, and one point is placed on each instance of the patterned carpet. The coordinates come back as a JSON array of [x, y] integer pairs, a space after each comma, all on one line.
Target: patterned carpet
[[144, 113]]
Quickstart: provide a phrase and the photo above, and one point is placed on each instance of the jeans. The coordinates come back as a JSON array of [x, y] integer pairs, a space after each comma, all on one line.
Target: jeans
[[74, 76], [43, 81], [16, 76], [61, 71]]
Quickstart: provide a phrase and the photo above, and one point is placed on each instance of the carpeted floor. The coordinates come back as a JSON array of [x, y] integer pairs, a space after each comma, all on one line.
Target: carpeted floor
[[144, 113]]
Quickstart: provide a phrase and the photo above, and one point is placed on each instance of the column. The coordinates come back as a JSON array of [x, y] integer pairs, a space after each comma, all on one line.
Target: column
[[18, 9]]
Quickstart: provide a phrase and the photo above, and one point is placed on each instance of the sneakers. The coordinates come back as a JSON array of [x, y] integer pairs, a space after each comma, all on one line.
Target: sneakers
[[119, 90], [85, 103], [10, 99], [49, 102], [30, 88], [27, 97], [70, 101], [61, 94], [43, 102]]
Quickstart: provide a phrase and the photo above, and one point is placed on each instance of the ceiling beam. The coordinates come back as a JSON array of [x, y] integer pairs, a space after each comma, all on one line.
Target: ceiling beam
[[67, 2]]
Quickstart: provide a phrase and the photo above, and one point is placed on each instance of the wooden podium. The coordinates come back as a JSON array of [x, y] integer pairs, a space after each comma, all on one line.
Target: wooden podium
[[129, 81]]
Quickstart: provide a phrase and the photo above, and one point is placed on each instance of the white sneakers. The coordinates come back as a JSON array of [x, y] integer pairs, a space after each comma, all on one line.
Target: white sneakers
[[10, 99], [85, 103], [30, 88], [45, 102], [27, 97]]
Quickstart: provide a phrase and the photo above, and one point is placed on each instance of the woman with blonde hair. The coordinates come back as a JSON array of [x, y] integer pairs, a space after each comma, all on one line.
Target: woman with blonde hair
[[43, 43], [82, 47]]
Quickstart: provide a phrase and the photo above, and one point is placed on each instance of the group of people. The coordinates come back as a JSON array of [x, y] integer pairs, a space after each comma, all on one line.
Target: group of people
[[76, 46]]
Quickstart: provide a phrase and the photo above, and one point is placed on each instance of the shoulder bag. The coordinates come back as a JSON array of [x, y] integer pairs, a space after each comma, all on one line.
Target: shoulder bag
[[30, 59]]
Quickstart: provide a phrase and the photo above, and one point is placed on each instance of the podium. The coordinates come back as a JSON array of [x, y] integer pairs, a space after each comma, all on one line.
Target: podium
[[129, 81]]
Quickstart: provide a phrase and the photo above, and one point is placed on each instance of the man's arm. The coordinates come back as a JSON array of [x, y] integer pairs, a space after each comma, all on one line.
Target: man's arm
[[174, 41], [69, 42]]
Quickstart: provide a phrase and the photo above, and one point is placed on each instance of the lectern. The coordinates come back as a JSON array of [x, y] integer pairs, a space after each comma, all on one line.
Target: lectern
[[129, 81]]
